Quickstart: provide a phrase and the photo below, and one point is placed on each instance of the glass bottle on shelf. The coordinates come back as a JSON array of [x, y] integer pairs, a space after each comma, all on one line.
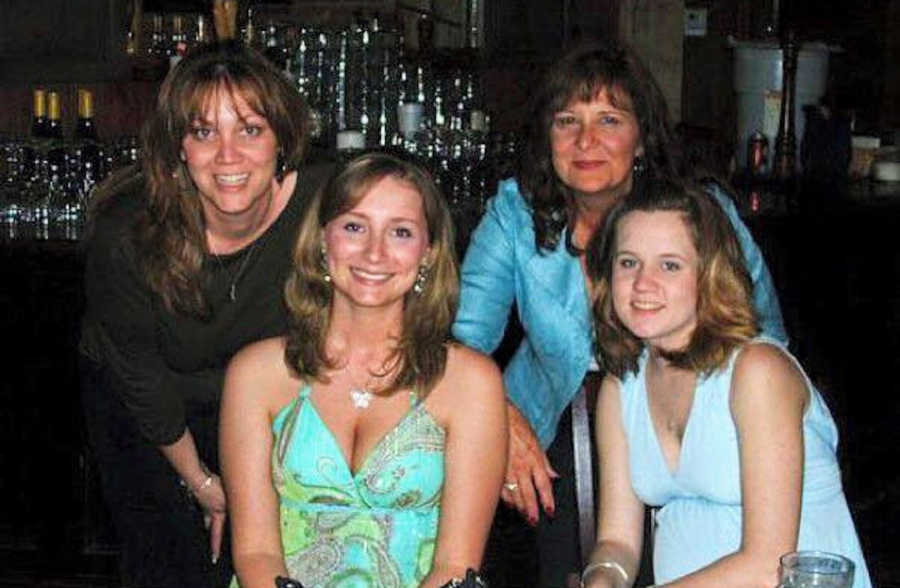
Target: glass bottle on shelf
[[47, 185], [89, 156], [85, 129], [39, 115], [271, 45], [202, 33], [159, 48], [33, 149], [54, 118], [473, 22], [178, 43], [248, 34]]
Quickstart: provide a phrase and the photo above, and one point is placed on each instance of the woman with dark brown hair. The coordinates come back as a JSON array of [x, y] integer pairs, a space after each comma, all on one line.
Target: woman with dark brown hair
[[186, 259], [699, 414], [599, 125]]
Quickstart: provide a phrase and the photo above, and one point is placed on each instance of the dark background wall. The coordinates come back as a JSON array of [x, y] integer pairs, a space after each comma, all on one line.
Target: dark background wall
[[863, 75]]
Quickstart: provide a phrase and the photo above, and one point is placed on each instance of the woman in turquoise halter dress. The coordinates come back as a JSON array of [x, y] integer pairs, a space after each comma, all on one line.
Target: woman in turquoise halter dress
[[364, 449], [699, 416]]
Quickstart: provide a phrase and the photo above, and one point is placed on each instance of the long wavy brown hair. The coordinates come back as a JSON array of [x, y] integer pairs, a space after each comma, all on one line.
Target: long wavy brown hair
[[419, 356], [169, 233], [582, 73], [725, 314]]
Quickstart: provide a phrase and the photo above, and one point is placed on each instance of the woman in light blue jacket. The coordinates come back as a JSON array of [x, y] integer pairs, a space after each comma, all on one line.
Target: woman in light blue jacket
[[599, 124]]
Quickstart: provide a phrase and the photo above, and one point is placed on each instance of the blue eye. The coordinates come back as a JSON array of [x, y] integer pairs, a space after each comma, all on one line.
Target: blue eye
[[609, 120], [671, 266]]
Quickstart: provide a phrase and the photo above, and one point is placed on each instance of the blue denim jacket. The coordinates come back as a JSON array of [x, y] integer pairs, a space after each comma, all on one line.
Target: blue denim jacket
[[502, 266]]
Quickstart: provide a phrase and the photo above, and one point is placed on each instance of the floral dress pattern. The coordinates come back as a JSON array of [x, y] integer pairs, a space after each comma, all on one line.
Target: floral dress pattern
[[375, 528]]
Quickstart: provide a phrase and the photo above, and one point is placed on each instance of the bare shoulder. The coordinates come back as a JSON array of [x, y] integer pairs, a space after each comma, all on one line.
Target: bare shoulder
[[468, 368], [766, 375], [470, 379], [258, 372], [608, 397], [264, 355], [609, 388]]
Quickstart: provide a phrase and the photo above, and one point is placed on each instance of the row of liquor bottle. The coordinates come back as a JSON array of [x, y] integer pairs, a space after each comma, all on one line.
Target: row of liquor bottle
[[354, 77], [357, 77], [46, 178]]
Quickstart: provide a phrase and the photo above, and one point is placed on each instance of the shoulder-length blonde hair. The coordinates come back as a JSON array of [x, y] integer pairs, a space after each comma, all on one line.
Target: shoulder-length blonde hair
[[170, 232], [420, 354], [725, 314]]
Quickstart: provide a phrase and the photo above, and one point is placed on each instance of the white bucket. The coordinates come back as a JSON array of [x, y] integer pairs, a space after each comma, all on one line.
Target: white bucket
[[757, 82]]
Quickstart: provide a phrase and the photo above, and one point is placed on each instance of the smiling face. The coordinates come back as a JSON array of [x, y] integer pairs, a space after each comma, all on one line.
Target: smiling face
[[374, 250], [230, 153], [594, 144], [654, 278]]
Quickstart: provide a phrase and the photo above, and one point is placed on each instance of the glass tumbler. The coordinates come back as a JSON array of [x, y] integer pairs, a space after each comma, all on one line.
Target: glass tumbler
[[819, 569]]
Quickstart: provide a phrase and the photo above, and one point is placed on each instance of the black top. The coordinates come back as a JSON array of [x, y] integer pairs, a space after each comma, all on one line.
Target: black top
[[164, 366]]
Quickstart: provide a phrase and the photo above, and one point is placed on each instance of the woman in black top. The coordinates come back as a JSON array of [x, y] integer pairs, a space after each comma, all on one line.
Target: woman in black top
[[186, 262]]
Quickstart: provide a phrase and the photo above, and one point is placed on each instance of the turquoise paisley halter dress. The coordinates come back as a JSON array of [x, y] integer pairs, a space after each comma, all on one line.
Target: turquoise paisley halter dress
[[375, 528]]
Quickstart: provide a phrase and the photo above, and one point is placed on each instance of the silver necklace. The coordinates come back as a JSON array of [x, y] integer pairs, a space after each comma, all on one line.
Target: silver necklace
[[232, 289], [361, 397]]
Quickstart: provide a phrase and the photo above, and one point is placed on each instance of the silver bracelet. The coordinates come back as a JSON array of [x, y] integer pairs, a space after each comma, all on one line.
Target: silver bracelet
[[202, 485], [610, 565]]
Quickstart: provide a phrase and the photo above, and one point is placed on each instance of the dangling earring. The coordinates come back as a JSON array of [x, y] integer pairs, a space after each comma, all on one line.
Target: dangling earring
[[639, 166], [323, 260], [421, 279]]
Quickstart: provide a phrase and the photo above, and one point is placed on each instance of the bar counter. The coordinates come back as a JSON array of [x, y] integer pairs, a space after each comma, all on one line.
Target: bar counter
[[833, 258]]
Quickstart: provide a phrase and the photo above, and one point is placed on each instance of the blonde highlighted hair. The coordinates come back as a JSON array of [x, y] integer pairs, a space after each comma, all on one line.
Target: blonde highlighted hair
[[418, 359], [725, 314]]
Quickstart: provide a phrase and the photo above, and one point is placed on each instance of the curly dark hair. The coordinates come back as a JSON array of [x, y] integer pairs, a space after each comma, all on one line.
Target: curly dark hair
[[725, 314], [582, 73], [169, 232]]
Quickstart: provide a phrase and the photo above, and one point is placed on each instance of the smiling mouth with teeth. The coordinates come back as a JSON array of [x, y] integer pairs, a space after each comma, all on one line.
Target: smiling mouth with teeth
[[232, 178], [370, 275], [646, 305]]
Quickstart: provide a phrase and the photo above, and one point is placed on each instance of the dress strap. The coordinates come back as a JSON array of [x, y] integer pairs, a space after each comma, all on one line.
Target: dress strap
[[283, 440]]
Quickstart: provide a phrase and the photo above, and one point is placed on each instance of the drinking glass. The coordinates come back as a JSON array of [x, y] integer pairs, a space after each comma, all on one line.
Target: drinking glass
[[815, 569]]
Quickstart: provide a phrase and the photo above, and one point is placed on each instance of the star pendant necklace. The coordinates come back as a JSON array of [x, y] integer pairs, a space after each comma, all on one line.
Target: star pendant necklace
[[361, 397]]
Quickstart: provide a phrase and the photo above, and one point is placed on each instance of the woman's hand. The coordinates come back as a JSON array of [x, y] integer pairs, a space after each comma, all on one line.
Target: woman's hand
[[211, 498], [529, 474], [204, 486]]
